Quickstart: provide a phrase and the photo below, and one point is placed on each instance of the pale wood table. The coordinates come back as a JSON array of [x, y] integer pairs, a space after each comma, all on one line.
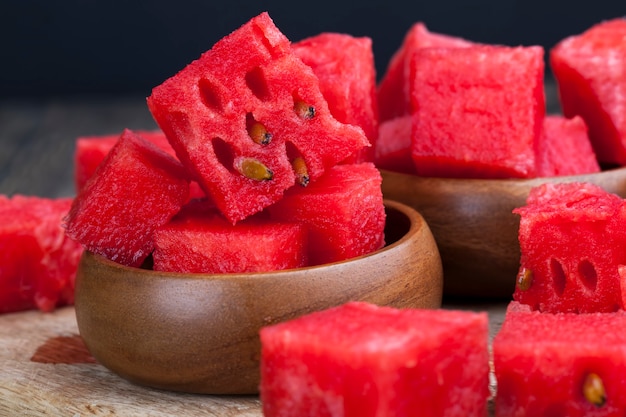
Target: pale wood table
[[47, 371]]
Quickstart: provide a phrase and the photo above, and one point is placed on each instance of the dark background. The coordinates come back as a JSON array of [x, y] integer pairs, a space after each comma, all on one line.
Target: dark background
[[110, 47]]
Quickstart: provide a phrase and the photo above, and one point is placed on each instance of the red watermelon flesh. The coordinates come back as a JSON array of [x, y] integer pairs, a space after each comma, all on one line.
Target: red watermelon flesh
[[590, 69], [571, 238], [37, 261], [347, 74], [363, 360], [137, 188], [394, 98], [542, 362], [393, 148], [203, 241], [564, 148], [343, 211], [244, 112], [478, 111], [91, 151]]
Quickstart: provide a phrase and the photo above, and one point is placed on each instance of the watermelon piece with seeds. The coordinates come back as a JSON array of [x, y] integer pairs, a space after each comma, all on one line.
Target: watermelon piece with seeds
[[136, 189], [198, 240], [244, 113], [478, 111], [562, 364], [361, 360], [345, 67], [394, 97], [343, 211], [590, 70], [571, 238]]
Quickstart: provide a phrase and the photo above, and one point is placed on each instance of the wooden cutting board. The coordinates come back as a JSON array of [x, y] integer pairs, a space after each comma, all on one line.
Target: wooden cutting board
[[46, 370]]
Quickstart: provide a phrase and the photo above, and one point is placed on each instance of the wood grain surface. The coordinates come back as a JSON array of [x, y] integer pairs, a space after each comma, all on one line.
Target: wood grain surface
[[47, 371], [65, 381]]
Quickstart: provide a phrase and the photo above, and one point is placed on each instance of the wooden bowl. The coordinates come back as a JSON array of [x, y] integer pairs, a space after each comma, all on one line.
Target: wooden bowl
[[199, 333], [473, 224]]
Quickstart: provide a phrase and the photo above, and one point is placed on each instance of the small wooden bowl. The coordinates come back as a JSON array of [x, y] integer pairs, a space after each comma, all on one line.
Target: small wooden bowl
[[473, 224], [199, 333]]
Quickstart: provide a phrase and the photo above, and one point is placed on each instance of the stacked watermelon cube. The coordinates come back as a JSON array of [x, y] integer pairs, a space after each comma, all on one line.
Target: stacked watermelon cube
[[561, 350], [564, 364], [475, 111], [268, 133]]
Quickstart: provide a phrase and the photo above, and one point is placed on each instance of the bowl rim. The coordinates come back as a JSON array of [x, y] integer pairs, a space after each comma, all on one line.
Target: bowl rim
[[518, 181], [415, 222]]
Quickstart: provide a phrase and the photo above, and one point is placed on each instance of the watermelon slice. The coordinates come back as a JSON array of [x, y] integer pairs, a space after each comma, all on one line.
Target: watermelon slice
[[362, 360], [572, 239], [590, 69], [560, 364], [478, 111], [394, 98], [343, 211], [200, 240], [564, 148], [393, 148], [37, 261], [249, 120], [345, 67], [137, 188]]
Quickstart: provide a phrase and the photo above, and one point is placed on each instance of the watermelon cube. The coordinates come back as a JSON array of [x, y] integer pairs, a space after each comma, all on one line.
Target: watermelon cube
[[393, 148], [347, 74], [248, 119], [572, 238], [137, 188], [201, 240], [37, 261], [478, 111], [564, 148], [562, 364], [394, 98], [362, 360], [343, 211], [91, 150], [590, 70]]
